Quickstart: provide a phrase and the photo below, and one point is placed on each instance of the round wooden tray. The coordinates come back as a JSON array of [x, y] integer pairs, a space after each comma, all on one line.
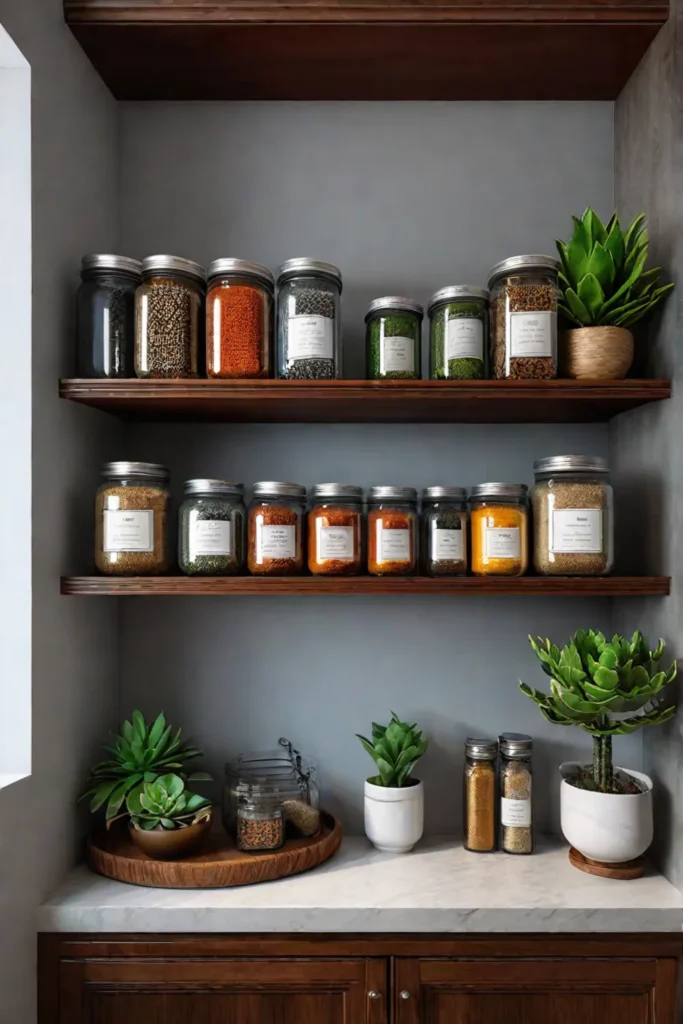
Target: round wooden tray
[[216, 865]]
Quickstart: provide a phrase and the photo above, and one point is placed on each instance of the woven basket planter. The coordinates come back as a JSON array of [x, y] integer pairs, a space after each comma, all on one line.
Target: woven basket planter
[[603, 353]]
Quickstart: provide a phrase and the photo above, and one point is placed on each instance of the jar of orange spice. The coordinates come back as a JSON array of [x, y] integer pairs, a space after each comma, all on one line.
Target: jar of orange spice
[[275, 529], [239, 319], [392, 531], [335, 530], [499, 529]]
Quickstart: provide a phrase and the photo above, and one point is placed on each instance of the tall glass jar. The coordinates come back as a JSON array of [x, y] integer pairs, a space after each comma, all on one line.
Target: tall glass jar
[[275, 529], [444, 531], [131, 519], [480, 795], [572, 510], [524, 294], [335, 530], [239, 319], [168, 307], [516, 811], [459, 333], [211, 529], [393, 339], [105, 316], [392, 531], [309, 320], [499, 526]]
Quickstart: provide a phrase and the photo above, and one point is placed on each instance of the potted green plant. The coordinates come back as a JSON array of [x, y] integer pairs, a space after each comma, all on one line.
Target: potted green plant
[[604, 290], [394, 801], [608, 688], [166, 820]]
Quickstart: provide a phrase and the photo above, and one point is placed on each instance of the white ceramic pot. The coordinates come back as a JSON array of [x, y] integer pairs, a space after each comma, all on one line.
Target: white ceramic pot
[[608, 827], [394, 818]]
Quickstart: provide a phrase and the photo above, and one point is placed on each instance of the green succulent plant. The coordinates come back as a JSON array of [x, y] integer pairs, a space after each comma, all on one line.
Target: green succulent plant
[[593, 678], [166, 804], [603, 280], [143, 752], [395, 748]]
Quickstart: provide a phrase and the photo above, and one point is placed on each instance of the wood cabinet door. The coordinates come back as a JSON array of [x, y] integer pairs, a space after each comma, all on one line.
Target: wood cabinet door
[[527, 991], [223, 991]]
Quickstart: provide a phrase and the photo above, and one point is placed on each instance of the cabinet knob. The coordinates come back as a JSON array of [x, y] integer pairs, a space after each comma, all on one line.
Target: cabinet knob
[[405, 994], [374, 994]]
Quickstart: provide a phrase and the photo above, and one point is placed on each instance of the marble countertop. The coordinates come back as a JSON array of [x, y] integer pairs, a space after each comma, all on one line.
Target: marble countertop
[[439, 887]]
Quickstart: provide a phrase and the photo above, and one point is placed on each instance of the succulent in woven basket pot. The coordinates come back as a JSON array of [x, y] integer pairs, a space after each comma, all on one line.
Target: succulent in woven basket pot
[[605, 288]]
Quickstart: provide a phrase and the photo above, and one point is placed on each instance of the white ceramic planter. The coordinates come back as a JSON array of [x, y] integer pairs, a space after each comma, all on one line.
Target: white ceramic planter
[[394, 818], [608, 827]]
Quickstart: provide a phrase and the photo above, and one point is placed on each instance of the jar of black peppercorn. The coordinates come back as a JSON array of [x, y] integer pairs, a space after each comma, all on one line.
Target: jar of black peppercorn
[[168, 313], [211, 529], [444, 531], [105, 316], [308, 320], [393, 339]]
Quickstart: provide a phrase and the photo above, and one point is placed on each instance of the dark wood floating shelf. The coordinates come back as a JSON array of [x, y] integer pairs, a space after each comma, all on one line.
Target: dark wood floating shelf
[[360, 401], [365, 49], [183, 586]]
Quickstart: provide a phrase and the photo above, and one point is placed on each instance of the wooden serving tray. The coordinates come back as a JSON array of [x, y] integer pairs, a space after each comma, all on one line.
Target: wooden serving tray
[[217, 863]]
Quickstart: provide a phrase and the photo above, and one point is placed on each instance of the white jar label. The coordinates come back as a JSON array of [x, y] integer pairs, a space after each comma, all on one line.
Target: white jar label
[[397, 354], [447, 545], [576, 529], [334, 543], [532, 335], [515, 812], [275, 542], [128, 531], [310, 337], [392, 545], [464, 338], [502, 542], [210, 537]]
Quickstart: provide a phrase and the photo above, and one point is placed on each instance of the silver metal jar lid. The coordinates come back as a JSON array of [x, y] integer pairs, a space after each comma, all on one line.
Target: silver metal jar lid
[[572, 464], [278, 489], [394, 303], [515, 744], [458, 292], [509, 492], [349, 492], [444, 493], [390, 493], [481, 749], [242, 268], [140, 470], [213, 487], [514, 263], [302, 267], [153, 265], [106, 261]]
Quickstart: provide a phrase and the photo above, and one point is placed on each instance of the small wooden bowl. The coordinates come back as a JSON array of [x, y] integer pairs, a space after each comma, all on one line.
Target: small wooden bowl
[[601, 353], [169, 844]]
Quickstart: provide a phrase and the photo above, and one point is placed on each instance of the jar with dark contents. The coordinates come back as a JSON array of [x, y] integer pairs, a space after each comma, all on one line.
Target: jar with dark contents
[[524, 294], [260, 819], [105, 316], [392, 531], [275, 525], [211, 529], [480, 795], [393, 339], [444, 531], [168, 313], [335, 530], [458, 333], [239, 319], [131, 519], [309, 320], [516, 818]]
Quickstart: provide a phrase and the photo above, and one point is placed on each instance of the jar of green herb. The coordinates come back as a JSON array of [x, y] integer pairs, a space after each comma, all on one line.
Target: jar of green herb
[[458, 333], [393, 339], [211, 529]]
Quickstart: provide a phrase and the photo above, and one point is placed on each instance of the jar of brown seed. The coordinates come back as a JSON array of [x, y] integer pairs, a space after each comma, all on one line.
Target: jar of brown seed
[[260, 820], [480, 795], [524, 294], [168, 312], [131, 515], [516, 824], [573, 523]]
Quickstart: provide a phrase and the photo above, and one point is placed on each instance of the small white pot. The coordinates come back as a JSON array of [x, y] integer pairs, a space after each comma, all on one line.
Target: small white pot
[[394, 818], [608, 827]]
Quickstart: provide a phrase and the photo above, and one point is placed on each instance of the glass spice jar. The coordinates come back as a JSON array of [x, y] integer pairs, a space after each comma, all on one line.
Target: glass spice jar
[[275, 529], [309, 320], [480, 795], [335, 530], [524, 294], [239, 319], [168, 306], [458, 333], [393, 339], [211, 529], [131, 516], [572, 511], [444, 531], [392, 531], [516, 819], [260, 820], [499, 529], [105, 316]]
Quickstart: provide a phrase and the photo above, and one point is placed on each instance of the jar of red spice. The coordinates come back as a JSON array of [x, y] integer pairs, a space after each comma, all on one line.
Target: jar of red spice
[[275, 529], [392, 531], [239, 319], [335, 525]]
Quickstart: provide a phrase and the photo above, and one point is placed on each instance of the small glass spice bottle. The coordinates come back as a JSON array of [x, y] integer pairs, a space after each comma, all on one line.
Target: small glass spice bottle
[[260, 821], [480, 795], [211, 529], [392, 531], [105, 316], [168, 306], [393, 339], [335, 530], [275, 524], [444, 531], [239, 319], [516, 817], [458, 333], [131, 519], [309, 320], [524, 294], [499, 529]]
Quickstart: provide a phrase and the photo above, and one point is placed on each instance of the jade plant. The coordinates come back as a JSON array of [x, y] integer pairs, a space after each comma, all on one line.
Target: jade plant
[[395, 748], [598, 684], [603, 280], [165, 804]]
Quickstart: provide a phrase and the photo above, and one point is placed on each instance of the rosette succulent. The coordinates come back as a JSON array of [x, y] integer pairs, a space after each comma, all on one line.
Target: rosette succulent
[[395, 748], [166, 804]]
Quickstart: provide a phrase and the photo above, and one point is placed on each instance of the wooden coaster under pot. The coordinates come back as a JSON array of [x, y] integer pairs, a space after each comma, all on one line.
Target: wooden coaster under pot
[[626, 871]]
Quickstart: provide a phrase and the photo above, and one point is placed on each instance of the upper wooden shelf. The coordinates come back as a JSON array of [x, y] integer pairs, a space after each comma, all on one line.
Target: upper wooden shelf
[[365, 49], [360, 401]]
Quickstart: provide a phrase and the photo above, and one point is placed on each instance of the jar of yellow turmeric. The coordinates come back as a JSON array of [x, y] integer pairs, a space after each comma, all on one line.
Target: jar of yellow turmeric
[[499, 524]]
